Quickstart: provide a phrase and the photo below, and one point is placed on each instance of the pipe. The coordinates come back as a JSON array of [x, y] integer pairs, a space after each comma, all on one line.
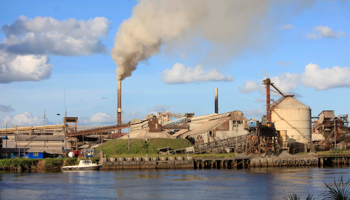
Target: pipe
[[268, 112], [119, 111], [216, 101]]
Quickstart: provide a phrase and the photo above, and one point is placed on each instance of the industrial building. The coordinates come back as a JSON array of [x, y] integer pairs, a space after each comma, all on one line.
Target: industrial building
[[286, 125], [209, 128]]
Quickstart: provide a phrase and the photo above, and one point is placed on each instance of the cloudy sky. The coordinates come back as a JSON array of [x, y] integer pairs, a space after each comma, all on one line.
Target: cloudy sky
[[170, 55]]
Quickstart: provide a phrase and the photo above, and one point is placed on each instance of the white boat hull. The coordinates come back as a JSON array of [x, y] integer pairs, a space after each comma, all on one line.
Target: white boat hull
[[81, 168]]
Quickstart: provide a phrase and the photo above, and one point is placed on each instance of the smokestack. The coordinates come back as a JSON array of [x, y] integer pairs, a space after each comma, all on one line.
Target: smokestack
[[216, 101], [268, 112], [119, 111]]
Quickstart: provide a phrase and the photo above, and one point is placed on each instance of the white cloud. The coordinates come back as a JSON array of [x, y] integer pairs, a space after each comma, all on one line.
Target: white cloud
[[7, 108], [179, 73], [46, 35], [287, 26], [285, 82], [254, 113], [24, 119], [258, 100], [324, 31], [133, 115], [24, 50], [249, 86], [159, 108], [313, 76], [324, 79], [100, 118], [24, 68], [283, 63]]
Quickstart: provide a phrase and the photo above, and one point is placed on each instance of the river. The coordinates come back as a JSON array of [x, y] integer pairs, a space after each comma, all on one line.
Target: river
[[257, 183]]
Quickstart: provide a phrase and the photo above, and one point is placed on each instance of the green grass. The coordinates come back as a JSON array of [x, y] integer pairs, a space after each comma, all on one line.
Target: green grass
[[214, 155], [138, 147], [331, 152], [48, 162], [18, 162], [301, 153]]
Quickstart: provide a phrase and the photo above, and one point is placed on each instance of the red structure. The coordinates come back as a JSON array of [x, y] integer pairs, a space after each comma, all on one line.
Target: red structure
[[267, 82]]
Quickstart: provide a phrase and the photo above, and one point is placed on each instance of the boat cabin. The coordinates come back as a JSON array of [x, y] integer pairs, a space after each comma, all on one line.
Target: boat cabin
[[85, 162]]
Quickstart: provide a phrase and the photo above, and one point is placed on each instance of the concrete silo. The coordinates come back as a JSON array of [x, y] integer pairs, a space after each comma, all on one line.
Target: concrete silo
[[293, 119]]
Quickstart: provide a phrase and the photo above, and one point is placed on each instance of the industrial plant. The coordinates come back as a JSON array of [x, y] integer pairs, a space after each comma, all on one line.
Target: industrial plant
[[287, 126]]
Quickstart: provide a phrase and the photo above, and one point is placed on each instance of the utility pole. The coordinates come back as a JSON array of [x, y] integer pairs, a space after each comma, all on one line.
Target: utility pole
[[236, 135], [44, 121], [6, 139], [65, 107], [335, 134], [16, 137], [128, 144]]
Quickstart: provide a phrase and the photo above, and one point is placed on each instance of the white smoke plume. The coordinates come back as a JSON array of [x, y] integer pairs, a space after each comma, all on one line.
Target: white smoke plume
[[235, 24]]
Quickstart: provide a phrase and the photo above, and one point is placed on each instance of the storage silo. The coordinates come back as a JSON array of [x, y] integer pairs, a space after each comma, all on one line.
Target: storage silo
[[293, 119]]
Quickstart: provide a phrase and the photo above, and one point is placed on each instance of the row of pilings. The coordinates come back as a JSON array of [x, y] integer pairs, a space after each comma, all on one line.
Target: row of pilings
[[291, 161], [218, 163]]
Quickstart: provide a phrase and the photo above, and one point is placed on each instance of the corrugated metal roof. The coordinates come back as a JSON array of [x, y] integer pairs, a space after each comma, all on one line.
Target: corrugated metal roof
[[51, 150], [238, 116], [205, 127], [40, 137], [218, 116], [144, 134], [180, 132], [203, 117]]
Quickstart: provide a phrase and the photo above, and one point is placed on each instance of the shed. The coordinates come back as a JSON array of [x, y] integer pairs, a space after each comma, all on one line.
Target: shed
[[35, 153], [44, 152]]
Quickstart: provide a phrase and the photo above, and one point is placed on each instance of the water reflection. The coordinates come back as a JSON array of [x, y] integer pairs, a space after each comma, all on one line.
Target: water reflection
[[257, 183]]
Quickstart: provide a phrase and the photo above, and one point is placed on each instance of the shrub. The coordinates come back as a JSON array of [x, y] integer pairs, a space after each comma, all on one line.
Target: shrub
[[53, 162], [70, 161], [340, 190], [18, 162]]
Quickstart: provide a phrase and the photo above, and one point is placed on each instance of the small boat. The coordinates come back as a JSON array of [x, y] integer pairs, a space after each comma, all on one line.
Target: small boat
[[83, 165]]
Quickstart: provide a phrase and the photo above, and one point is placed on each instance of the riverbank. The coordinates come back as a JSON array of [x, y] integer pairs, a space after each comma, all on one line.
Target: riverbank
[[19, 164]]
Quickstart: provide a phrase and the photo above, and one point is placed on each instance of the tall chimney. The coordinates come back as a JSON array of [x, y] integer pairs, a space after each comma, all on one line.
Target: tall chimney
[[119, 111], [268, 112], [216, 101]]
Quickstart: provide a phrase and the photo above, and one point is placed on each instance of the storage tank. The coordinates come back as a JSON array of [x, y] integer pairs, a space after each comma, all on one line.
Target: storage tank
[[293, 118]]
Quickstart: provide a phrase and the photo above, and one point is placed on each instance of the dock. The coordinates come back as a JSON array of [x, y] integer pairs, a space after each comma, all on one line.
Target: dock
[[223, 163]]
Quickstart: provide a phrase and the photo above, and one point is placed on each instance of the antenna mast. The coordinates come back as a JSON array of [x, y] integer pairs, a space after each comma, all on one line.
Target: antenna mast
[[65, 107]]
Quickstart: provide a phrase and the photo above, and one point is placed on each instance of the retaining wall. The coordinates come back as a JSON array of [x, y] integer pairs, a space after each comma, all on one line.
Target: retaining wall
[[148, 163]]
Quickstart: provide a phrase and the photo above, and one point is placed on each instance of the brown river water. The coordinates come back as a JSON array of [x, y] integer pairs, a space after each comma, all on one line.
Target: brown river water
[[257, 183]]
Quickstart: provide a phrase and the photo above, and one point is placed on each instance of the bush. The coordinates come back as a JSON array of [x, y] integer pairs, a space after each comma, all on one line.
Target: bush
[[296, 197], [340, 190], [18, 162], [53, 162], [70, 161]]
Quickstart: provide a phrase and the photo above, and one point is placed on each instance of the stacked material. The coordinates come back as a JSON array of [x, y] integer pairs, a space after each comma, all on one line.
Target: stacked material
[[138, 124], [145, 135]]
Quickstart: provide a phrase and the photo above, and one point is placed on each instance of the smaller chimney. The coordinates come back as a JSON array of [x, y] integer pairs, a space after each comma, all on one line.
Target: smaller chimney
[[216, 101], [268, 111]]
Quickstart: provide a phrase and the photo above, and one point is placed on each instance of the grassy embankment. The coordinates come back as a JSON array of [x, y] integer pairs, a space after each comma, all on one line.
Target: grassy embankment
[[33, 163], [139, 148], [329, 153]]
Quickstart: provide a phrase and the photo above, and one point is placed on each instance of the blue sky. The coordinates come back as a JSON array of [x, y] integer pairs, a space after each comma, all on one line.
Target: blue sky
[[288, 39]]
